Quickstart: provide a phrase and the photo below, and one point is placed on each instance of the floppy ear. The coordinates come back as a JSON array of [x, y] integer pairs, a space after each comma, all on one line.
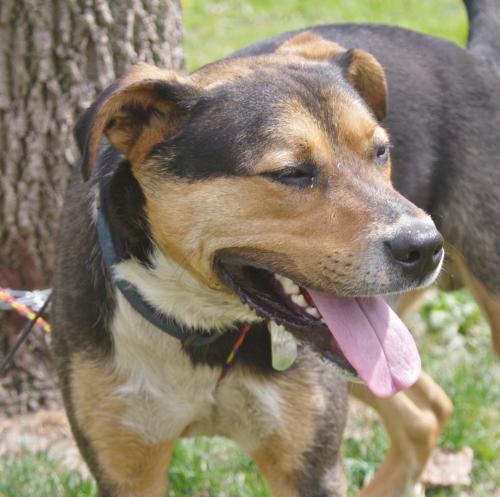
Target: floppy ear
[[361, 70], [366, 75], [142, 109]]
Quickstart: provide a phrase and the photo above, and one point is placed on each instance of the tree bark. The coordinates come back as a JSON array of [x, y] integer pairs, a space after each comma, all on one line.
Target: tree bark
[[55, 57]]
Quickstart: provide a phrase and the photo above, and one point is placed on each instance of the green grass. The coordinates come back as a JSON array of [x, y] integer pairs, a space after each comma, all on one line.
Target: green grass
[[455, 350], [34, 475]]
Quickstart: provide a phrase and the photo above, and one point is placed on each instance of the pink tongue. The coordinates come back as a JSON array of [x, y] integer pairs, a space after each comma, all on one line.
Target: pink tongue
[[373, 339]]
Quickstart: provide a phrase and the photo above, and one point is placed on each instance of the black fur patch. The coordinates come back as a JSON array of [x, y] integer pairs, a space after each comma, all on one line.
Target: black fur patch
[[84, 125], [254, 354], [122, 201], [321, 475], [181, 95], [230, 129]]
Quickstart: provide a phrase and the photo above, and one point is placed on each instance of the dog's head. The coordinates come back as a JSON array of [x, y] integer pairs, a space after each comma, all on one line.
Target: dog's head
[[270, 165]]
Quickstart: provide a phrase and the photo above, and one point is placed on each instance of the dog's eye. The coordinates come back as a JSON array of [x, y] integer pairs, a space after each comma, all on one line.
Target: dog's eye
[[382, 153], [298, 176]]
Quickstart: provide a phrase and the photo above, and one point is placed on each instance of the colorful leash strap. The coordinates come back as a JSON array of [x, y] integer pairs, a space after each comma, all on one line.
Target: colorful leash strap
[[24, 335], [234, 351], [7, 298]]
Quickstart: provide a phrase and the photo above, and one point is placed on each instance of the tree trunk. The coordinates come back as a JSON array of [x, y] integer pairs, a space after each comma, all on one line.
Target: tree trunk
[[55, 56]]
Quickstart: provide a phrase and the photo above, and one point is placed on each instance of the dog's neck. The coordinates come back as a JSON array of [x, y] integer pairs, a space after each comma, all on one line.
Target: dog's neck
[[176, 293], [165, 287], [165, 290]]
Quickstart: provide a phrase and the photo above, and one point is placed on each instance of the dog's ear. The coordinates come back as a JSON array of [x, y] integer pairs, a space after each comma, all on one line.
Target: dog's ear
[[360, 69], [365, 74], [142, 109]]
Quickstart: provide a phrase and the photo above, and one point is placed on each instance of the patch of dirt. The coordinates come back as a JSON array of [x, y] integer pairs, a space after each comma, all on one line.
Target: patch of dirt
[[361, 420], [447, 468], [31, 414], [29, 383], [44, 431]]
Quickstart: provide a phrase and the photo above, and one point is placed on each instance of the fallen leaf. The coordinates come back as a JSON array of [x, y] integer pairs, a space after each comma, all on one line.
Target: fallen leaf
[[447, 468]]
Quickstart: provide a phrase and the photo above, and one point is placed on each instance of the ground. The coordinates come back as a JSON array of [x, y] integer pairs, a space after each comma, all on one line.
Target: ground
[[452, 337], [454, 342]]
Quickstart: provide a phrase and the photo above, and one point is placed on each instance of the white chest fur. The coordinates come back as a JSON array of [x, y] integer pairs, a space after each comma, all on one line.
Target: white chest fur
[[166, 396]]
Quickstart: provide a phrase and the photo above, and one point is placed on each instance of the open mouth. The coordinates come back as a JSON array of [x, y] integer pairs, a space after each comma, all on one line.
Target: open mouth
[[362, 337]]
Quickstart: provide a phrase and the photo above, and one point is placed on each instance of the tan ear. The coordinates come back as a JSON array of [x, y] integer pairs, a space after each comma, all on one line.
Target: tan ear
[[365, 74], [361, 69], [310, 46], [135, 113]]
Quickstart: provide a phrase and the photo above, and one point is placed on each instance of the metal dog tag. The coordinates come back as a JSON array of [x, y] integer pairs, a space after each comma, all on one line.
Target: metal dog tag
[[283, 347]]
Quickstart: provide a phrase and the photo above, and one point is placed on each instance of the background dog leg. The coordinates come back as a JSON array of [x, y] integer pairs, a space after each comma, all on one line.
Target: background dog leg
[[489, 304], [414, 420]]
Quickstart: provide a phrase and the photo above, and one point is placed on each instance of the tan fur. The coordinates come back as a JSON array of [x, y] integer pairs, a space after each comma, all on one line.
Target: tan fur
[[487, 301], [367, 76], [224, 71], [225, 213], [136, 141], [363, 72], [305, 139], [414, 420], [229, 213], [122, 456], [301, 48], [129, 135], [310, 46], [137, 469], [193, 222], [303, 402], [357, 130], [490, 304]]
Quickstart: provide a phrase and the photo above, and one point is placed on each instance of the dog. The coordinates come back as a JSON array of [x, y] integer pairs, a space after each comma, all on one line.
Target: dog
[[444, 120], [224, 249]]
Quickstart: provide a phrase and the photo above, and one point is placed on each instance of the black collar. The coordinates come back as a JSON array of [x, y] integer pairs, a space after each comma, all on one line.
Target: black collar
[[165, 323]]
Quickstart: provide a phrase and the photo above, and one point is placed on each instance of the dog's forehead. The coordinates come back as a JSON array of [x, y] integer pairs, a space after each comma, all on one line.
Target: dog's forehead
[[290, 107]]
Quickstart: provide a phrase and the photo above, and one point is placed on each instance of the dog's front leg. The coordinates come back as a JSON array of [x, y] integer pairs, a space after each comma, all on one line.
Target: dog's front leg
[[123, 463], [298, 450]]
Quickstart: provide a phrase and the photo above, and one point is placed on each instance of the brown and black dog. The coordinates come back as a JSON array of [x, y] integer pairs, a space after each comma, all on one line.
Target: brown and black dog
[[247, 199], [444, 121]]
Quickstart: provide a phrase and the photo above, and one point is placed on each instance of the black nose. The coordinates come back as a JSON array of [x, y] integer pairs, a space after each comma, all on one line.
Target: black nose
[[418, 250]]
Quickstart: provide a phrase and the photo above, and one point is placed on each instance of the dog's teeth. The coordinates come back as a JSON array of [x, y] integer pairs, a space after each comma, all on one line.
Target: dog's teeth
[[288, 285], [313, 312], [299, 300]]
